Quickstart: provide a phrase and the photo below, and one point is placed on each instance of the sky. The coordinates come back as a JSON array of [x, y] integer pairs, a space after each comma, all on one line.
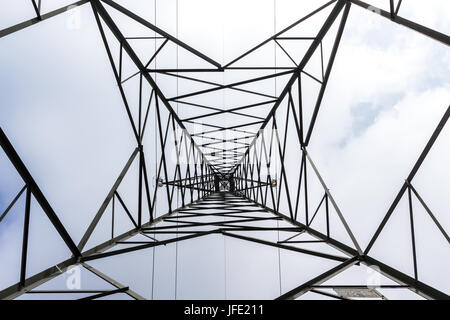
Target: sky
[[61, 109]]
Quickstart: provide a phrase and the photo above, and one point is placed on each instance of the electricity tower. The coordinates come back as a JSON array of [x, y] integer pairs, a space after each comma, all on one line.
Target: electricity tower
[[227, 178]]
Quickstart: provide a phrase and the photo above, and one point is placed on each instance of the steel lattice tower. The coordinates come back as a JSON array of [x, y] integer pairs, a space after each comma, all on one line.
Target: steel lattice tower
[[226, 185]]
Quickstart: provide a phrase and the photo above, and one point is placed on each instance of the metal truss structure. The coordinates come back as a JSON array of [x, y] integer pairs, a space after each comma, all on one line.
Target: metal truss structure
[[225, 184]]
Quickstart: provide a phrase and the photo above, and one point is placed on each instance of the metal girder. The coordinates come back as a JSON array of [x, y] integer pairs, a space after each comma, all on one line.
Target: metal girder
[[161, 32], [37, 193], [414, 285], [295, 293], [106, 202], [433, 34], [32, 282], [281, 246], [330, 197], [12, 203], [411, 175], [40, 18], [105, 293], [279, 33], [316, 42], [99, 9], [116, 284], [418, 287], [327, 72]]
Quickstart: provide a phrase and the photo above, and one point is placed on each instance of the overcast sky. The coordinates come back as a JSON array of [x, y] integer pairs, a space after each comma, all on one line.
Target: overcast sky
[[62, 110]]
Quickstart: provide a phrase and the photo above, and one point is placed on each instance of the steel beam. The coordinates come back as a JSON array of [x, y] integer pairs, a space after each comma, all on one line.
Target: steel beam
[[433, 34], [51, 14], [302, 289], [37, 193]]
